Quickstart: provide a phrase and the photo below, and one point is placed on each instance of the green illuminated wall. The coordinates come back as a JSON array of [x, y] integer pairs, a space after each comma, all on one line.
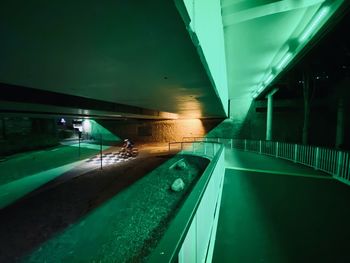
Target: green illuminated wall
[[96, 130], [206, 23]]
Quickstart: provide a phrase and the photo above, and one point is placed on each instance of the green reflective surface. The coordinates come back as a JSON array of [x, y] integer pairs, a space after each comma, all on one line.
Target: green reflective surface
[[279, 218], [274, 210], [263, 37], [206, 23], [23, 173], [96, 130]]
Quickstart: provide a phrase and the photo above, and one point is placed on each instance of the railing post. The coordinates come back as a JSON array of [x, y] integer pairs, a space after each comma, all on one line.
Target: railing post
[[101, 151], [245, 144], [231, 143], [339, 163], [169, 147], [79, 142], [260, 146], [317, 157], [276, 149], [295, 152]]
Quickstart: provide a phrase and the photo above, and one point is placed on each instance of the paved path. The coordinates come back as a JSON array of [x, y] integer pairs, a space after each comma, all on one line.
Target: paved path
[[23, 173], [78, 203], [276, 211]]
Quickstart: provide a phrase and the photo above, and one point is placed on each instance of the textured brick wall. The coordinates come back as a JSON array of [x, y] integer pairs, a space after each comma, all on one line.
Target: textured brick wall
[[20, 134], [160, 131]]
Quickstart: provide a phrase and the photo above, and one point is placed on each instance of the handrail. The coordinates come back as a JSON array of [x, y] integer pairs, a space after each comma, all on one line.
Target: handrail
[[203, 139], [226, 139], [169, 246], [203, 150], [331, 161]]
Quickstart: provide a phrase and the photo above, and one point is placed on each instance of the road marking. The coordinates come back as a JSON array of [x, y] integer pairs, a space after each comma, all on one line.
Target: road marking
[[279, 172]]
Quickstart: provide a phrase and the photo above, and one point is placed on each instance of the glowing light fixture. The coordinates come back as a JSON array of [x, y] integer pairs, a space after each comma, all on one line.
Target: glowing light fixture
[[316, 20], [269, 79], [261, 89], [86, 126], [284, 61]]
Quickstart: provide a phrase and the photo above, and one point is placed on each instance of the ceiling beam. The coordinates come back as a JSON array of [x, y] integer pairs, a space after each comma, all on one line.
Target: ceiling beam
[[234, 13]]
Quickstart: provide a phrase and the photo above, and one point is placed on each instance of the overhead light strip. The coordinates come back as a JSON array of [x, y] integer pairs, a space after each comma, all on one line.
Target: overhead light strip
[[269, 79], [316, 21], [309, 30], [261, 89], [287, 57]]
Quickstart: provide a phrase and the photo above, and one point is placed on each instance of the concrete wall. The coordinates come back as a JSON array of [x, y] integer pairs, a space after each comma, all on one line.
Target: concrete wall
[[159, 131], [18, 134], [288, 125]]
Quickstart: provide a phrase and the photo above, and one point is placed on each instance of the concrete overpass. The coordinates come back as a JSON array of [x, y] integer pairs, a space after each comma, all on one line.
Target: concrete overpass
[[187, 58], [176, 61]]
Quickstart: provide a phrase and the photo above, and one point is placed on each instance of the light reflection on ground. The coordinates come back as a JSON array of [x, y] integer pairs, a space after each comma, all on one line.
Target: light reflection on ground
[[108, 159]]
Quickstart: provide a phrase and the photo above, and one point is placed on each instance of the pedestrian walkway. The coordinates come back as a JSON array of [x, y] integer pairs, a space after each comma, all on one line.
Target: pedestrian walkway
[[273, 210], [86, 216], [22, 173]]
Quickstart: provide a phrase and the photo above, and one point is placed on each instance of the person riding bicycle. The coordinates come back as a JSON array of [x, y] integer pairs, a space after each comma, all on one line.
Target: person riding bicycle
[[128, 144], [128, 149]]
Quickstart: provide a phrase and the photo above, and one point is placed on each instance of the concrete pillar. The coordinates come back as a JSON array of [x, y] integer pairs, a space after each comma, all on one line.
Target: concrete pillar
[[3, 129], [269, 119], [340, 124]]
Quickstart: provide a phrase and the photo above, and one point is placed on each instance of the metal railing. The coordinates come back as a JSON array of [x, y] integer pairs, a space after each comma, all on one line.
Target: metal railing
[[191, 234], [205, 139], [331, 161], [207, 149]]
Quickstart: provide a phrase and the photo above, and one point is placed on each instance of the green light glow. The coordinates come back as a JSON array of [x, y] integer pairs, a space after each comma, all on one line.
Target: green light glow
[[87, 125], [261, 89], [206, 23], [256, 93], [12, 191], [269, 79], [312, 26], [105, 232], [96, 130], [26, 172], [262, 37], [284, 61]]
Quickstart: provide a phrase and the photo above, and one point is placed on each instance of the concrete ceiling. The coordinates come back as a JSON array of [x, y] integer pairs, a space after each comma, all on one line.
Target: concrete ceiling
[[142, 53], [260, 34], [136, 53]]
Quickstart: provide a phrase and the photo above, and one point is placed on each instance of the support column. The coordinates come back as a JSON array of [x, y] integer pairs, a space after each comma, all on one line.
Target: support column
[[3, 129], [339, 141], [269, 119]]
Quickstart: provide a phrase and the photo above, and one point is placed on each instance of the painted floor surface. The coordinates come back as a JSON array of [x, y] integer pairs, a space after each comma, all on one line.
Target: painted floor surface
[[22, 173], [275, 217]]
